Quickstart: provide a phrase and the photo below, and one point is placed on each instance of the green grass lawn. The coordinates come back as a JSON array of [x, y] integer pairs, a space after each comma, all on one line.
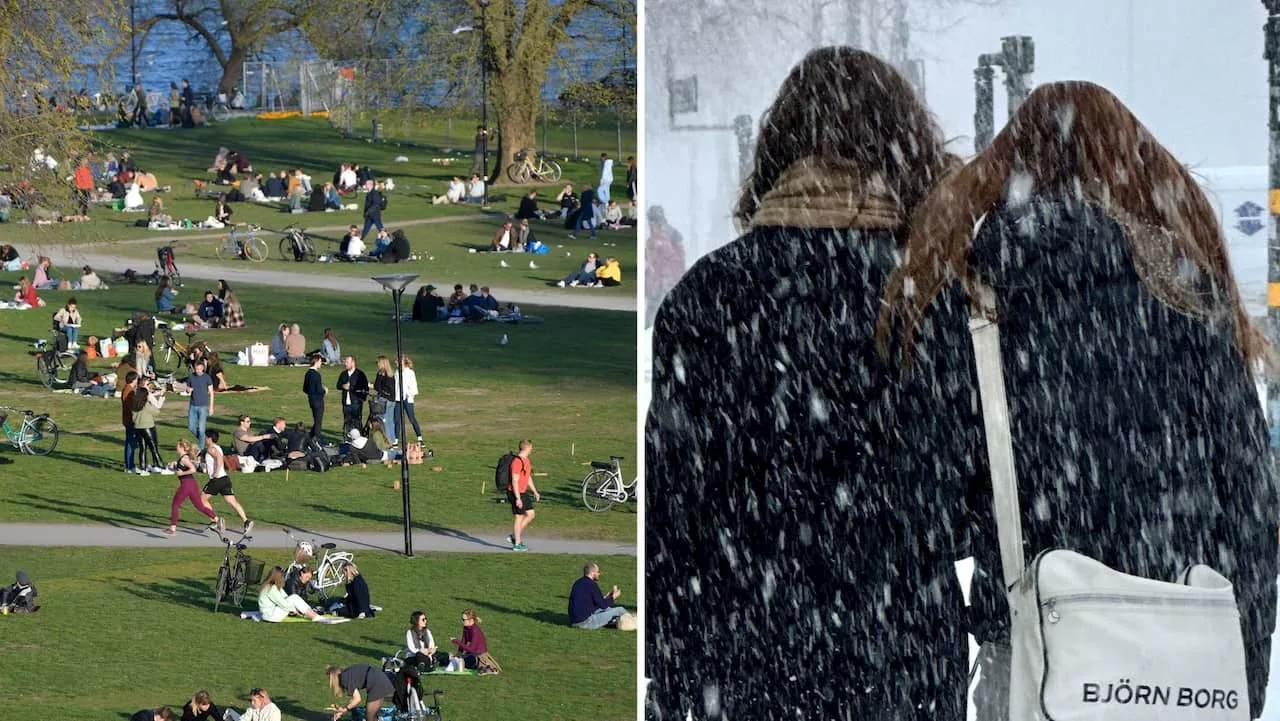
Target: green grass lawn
[[123, 630], [180, 155], [568, 384], [443, 249]]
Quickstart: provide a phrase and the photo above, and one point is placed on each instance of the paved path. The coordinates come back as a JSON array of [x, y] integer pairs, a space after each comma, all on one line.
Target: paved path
[[100, 258], [270, 536]]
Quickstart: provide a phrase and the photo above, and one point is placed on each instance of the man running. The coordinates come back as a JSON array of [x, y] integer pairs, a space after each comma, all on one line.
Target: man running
[[220, 484]]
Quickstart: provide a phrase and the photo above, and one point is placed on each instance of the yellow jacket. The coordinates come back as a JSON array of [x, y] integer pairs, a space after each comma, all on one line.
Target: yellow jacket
[[612, 271]]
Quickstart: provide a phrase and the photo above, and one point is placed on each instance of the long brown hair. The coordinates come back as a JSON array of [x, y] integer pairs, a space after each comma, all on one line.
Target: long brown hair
[[843, 103], [1077, 138]]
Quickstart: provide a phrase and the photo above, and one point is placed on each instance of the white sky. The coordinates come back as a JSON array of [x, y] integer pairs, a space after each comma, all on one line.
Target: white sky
[[1197, 76]]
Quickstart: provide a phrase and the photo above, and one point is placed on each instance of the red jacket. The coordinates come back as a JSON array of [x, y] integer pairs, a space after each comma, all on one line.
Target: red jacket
[[84, 178]]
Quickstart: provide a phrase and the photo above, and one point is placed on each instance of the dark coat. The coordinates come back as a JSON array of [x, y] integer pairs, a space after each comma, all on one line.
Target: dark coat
[[528, 209], [373, 204], [1137, 430], [399, 250], [791, 564]]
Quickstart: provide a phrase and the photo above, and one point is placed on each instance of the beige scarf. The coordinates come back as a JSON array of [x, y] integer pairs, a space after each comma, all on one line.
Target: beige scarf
[[827, 193]]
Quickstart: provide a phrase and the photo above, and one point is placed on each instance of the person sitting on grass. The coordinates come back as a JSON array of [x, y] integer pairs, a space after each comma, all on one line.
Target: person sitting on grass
[[275, 606], [279, 354], [42, 279], [165, 293], [475, 192], [420, 646], [21, 597], [427, 306], [613, 216], [295, 345], [89, 280], [299, 583], [261, 708], [454, 194], [529, 207], [26, 294], [609, 274], [472, 645], [209, 314], [356, 603], [504, 239], [164, 713], [586, 275], [201, 708], [588, 607]]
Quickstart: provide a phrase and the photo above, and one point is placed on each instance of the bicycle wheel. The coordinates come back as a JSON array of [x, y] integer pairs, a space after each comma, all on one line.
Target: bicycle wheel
[[43, 372], [286, 248], [166, 361], [551, 171], [220, 586], [240, 581], [594, 489], [220, 112], [61, 370], [518, 173], [309, 250], [175, 279], [256, 249], [40, 437], [334, 577], [226, 248]]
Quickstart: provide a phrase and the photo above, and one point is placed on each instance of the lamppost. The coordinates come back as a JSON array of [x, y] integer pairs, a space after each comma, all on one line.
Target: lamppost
[[396, 284]]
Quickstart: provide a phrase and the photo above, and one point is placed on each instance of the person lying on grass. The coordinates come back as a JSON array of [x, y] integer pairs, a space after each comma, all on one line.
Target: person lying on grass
[[275, 606]]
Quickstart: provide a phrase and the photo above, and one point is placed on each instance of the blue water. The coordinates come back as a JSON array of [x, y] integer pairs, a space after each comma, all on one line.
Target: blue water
[[169, 55]]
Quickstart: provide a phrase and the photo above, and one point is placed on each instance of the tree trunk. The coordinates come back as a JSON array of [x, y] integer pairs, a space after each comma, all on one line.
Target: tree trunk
[[516, 105], [233, 71]]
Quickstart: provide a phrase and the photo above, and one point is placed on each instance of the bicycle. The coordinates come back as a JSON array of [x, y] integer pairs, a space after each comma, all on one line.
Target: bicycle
[[51, 368], [330, 572], [296, 246], [172, 356], [603, 486], [234, 581], [525, 167], [217, 107], [246, 246], [37, 436]]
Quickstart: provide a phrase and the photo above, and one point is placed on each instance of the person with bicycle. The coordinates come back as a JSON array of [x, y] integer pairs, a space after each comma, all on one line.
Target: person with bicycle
[[354, 679], [188, 488], [588, 607], [521, 495]]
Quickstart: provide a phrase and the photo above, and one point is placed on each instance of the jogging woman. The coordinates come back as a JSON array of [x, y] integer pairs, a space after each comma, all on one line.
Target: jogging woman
[[188, 488]]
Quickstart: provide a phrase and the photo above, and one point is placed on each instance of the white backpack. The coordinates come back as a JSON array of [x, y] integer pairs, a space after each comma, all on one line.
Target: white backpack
[[1090, 642]]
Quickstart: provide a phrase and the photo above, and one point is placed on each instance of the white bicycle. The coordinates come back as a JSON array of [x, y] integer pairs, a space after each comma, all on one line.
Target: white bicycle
[[329, 573]]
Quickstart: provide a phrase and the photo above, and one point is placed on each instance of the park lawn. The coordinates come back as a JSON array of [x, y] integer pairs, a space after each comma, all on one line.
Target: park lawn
[[568, 384], [177, 156], [595, 132], [121, 630], [443, 250]]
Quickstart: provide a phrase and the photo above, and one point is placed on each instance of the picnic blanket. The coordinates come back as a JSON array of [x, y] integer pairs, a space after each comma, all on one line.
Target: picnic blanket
[[439, 671], [257, 616]]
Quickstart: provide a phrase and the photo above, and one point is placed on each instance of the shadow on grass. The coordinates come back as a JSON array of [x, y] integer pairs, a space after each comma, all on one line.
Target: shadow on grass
[[115, 517], [12, 380], [398, 521], [191, 592], [546, 615], [371, 654], [291, 709]]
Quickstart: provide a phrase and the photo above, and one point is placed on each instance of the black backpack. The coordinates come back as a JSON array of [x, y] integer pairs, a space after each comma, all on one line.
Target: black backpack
[[382, 201], [502, 475]]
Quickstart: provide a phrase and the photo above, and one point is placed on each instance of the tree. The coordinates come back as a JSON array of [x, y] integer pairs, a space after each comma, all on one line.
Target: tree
[[34, 38], [521, 39], [234, 31], [363, 29]]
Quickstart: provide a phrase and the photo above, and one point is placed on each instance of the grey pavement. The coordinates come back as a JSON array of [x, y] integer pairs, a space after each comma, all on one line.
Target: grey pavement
[[273, 536], [102, 260]]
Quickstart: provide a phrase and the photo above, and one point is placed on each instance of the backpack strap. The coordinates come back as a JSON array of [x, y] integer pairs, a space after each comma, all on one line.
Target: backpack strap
[[985, 333]]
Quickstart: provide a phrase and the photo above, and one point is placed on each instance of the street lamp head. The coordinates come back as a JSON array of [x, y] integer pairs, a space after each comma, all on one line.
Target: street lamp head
[[462, 29], [483, 3], [397, 282]]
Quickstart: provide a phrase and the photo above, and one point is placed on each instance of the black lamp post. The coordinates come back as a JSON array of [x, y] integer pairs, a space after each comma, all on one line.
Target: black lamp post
[[484, 74], [396, 284]]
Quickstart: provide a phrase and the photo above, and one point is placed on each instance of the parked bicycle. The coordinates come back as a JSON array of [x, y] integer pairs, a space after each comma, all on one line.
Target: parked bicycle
[[603, 486], [529, 166], [37, 435], [235, 579], [242, 244], [173, 357], [330, 573], [54, 359], [297, 246]]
